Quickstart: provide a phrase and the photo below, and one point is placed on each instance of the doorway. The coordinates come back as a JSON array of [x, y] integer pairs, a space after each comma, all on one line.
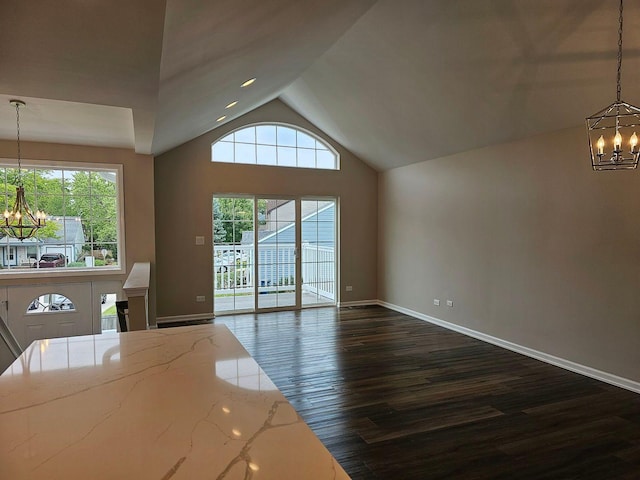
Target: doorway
[[34, 312], [273, 253]]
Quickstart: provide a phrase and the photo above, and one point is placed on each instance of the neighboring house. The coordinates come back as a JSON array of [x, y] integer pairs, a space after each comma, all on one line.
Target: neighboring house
[[69, 241], [317, 226], [276, 249]]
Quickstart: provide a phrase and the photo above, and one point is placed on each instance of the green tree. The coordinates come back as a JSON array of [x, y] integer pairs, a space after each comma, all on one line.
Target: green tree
[[237, 216], [93, 199], [48, 198], [219, 232]]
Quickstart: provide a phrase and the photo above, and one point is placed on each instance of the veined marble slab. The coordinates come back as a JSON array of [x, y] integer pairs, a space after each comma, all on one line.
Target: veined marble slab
[[177, 403]]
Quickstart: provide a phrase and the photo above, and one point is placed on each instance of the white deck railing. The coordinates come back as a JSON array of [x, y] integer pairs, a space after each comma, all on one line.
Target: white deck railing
[[234, 269]]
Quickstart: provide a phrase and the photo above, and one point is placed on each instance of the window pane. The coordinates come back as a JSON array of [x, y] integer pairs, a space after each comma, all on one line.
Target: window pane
[[105, 254], [50, 183], [50, 204], [305, 141], [69, 179], [326, 159], [286, 157], [245, 153], [286, 137], [266, 134], [50, 302], [306, 158], [103, 183], [223, 152], [246, 135], [266, 155]]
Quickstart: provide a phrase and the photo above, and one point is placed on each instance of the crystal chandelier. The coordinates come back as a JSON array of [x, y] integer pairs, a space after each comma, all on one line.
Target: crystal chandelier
[[612, 131], [21, 222]]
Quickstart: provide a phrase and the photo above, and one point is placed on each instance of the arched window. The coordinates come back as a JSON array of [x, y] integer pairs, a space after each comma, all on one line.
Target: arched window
[[49, 303], [279, 145]]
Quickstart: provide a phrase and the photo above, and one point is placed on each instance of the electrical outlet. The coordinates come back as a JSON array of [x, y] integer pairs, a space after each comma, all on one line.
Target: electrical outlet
[[200, 298], [199, 241], [449, 303], [349, 288], [436, 302]]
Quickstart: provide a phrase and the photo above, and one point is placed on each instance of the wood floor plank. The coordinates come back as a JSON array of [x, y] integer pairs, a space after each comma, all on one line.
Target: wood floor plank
[[393, 397]]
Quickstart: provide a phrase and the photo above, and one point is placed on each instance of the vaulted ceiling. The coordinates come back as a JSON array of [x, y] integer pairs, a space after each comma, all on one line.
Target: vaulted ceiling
[[396, 82]]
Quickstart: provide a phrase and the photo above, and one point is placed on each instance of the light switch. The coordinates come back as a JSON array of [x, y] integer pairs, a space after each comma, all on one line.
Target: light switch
[[199, 240]]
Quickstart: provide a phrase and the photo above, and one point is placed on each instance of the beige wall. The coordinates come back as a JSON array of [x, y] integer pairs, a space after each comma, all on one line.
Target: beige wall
[[186, 180], [531, 245], [138, 203]]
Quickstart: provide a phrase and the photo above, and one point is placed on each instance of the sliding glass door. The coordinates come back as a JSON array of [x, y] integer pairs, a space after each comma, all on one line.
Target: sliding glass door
[[233, 254], [273, 253], [318, 252], [277, 252]]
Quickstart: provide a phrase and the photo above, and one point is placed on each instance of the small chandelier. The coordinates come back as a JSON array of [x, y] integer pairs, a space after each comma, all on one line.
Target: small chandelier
[[20, 222], [612, 131]]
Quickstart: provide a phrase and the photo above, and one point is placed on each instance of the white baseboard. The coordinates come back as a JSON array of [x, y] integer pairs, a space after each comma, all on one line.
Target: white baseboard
[[529, 352], [359, 303], [184, 318]]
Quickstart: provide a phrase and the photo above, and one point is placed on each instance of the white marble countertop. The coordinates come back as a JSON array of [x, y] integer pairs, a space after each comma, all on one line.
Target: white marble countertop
[[177, 403]]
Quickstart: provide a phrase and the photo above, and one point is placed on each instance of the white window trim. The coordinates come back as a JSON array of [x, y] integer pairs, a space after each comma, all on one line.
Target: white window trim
[[75, 271], [280, 124]]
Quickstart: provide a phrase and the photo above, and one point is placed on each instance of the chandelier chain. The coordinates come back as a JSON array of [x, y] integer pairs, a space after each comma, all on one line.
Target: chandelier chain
[[619, 89], [18, 136]]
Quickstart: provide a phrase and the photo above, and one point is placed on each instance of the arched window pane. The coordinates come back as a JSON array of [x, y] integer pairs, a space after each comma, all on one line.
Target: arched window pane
[[246, 135], [267, 155], [245, 153], [223, 152], [286, 157], [305, 141], [266, 134], [286, 137], [326, 160], [306, 158], [49, 303]]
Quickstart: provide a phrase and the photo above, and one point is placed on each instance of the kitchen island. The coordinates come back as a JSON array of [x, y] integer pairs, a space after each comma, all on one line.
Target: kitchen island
[[177, 403]]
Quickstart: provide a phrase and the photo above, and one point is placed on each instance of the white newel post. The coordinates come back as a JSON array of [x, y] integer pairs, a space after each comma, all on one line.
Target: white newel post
[[137, 290]]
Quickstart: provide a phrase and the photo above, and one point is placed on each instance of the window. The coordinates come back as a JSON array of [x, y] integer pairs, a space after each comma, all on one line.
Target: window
[[280, 145], [84, 228], [49, 303]]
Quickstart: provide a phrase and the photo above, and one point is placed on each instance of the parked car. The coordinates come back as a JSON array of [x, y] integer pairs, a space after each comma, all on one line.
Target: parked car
[[49, 260], [63, 304]]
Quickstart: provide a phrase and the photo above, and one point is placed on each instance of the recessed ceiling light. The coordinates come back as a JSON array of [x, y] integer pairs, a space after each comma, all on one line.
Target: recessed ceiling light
[[232, 104], [221, 118], [248, 82]]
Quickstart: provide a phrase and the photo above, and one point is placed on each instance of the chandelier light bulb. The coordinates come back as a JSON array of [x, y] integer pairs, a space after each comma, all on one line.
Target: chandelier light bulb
[[600, 145], [617, 141], [633, 142]]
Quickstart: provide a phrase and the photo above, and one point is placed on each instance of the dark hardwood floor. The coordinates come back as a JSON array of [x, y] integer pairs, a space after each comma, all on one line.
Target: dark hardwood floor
[[393, 397]]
